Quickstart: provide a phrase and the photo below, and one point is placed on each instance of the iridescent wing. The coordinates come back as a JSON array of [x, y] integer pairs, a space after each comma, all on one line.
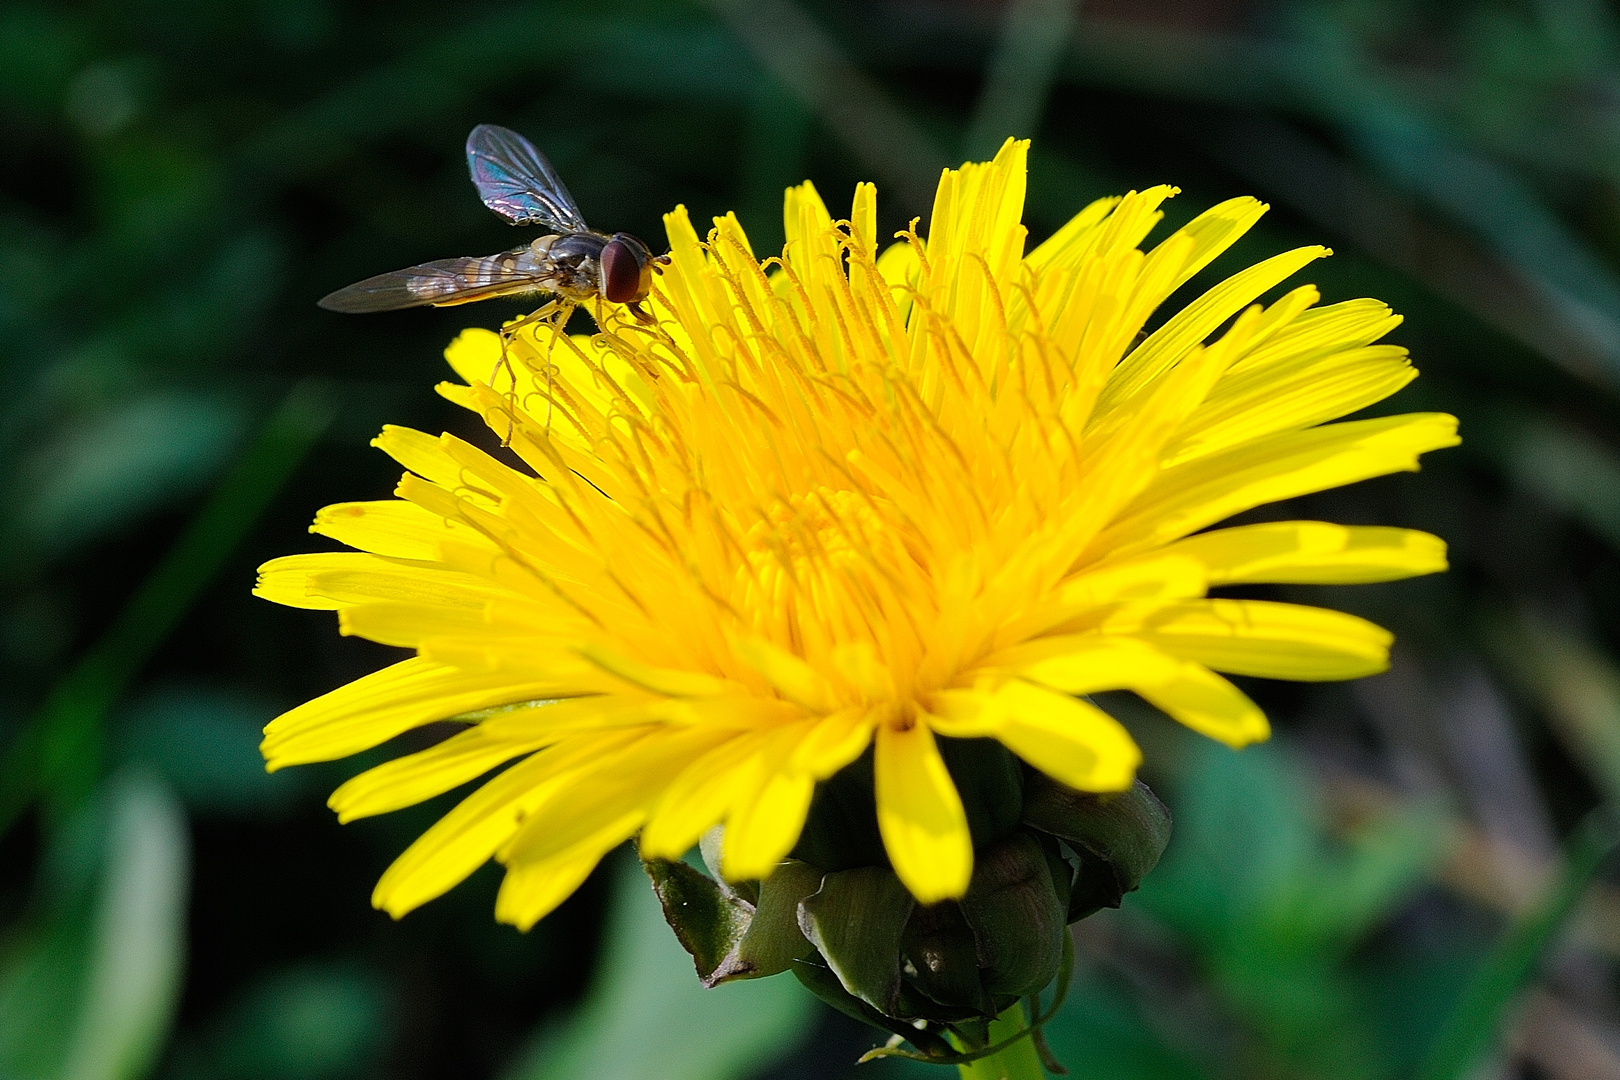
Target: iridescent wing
[[442, 282], [517, 182]]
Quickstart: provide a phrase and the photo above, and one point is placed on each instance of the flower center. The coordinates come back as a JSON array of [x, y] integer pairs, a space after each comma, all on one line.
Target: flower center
[[830, 575], [807, 533]]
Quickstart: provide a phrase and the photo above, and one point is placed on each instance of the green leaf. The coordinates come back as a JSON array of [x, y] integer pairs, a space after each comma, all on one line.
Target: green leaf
[[1020, 74], [205, 742], [1561, 465], [709, 847], [90, 994], [318, 1021], [841, 830], [820, 981], [1575, 682], [990, 781], [125, 461], [1390, 858], [42, 975], [59, 754], [1018, 1061]]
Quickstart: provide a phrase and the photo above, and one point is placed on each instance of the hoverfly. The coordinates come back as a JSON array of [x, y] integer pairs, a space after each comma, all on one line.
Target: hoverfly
[[572, 262]]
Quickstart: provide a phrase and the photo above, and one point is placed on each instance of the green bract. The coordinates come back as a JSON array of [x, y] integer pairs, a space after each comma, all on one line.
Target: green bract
[[836, 915]]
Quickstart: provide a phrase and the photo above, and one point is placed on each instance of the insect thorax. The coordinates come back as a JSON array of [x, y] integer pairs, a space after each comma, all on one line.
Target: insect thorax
[[572, 261]]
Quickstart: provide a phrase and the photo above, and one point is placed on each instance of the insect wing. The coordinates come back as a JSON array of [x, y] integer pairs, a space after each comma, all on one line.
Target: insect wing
[[517, 182], [442, 282]]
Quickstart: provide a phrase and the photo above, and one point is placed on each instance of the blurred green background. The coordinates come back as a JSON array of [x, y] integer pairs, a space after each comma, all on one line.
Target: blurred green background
[[1396, 886]]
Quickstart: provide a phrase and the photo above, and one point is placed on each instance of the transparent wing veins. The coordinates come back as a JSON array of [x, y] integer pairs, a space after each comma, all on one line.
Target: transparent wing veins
[[517, 182], [441, 282]]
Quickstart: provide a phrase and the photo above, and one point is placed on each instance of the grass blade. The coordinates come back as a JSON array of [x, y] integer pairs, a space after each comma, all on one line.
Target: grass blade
[[1033, 40], [1478, 1015], [58, 757]]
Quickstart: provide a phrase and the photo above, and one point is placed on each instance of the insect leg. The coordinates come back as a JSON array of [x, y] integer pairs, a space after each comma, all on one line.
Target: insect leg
[[508, 332], [565, 310]]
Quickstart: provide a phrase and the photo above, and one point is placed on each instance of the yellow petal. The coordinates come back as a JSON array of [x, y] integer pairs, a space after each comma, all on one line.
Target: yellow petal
[[1257, 637], [1169, 576], [1075, 238], [1202, 700], [900, 269], [1085, 663], [834, 742], [1297, 394], [1313, 553], [474, 354], [920, 815], [531, 891], [407, 625], [613, 796], [1188, 497], [1197, 321], [1347, 325], [698, 798], [466, 837], [337, 579], [420, 776], [1090, 663], [419, 452], [765, 821], [1071, 741], [498, 735], [286, 581], [789, 675], [375, 708], [1216, 230], [671, 682], [390, 527]]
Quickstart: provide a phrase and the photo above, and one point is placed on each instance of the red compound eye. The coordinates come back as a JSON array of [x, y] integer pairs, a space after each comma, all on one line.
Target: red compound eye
[[622, 272]]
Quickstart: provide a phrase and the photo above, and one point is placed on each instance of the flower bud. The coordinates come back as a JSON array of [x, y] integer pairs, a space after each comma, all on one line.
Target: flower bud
[[836, 915]]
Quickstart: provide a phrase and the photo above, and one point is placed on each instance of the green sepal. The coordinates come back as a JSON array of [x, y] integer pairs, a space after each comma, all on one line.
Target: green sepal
[[1017, 922], [856, 921], [940, 945], [1061, 869], [989, 780], [708, 922], [841, 830], [710, 846], [822, 982], [1119, 837], [773, 939], [974, 1033], [1039, 1018]]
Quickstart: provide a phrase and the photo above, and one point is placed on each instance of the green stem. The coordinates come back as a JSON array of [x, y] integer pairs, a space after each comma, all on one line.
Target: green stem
[[1017, 1061]]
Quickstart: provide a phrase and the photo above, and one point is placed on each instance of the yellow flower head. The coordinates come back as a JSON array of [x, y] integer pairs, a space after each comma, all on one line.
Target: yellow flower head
[[844, 498]]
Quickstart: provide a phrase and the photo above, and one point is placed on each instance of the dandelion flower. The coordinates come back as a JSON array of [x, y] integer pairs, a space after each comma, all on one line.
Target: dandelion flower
[[845, 498]]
